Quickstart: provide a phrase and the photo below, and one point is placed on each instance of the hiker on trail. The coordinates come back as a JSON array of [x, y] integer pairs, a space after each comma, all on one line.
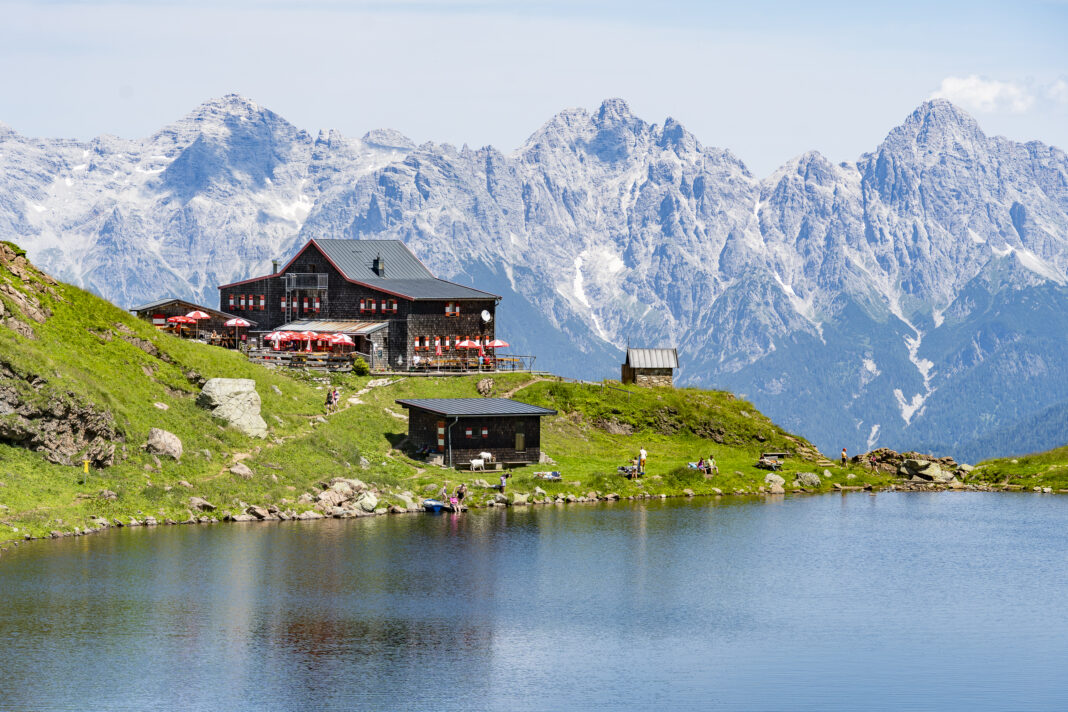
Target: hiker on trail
[[336, 397], [329, 401], [845, 458], [642, 454]]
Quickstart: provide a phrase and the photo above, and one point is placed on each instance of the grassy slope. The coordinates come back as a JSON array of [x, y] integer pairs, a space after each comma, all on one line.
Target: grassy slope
[[79, 350], [1043, 469]]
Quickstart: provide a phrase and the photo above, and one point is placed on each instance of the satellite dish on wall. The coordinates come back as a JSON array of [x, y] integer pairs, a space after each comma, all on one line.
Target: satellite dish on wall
[[486, 316]]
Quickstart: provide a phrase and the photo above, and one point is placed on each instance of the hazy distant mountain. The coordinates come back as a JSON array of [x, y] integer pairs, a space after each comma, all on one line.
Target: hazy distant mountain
[[915, 296]]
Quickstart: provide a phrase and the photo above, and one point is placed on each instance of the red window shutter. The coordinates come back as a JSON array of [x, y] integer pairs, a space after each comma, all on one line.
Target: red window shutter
[[416, 348], [305, 304], [363, 305], [467, 432], [441, 436], [241, 304], [437, 341], [373, 304], [231, 301], [283, 302], [485, 432], [317, 304], [263, 302]]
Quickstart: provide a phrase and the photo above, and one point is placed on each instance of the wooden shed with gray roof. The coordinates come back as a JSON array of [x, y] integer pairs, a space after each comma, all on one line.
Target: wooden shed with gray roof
[[461, 429], [650, 367]]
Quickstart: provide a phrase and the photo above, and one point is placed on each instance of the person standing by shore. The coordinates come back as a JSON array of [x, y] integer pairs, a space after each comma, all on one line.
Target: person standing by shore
[[845, 458], [642, 455]]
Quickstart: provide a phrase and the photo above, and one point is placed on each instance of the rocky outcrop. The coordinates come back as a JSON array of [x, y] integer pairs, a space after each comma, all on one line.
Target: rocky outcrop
[[808, 479], [164, 443], [57, 425], [924, 470], [236, 401]]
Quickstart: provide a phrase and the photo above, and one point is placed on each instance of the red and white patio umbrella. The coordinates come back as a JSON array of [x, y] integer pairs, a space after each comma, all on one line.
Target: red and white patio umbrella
[[181, 320], [341, 339], [196, 315], [468, 344], [497, 344], [309, 336], [237, 322], [276, 337]]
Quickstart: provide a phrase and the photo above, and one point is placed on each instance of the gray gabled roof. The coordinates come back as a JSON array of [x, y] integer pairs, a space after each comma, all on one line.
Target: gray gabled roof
[[429, 289], [474, 407], [652, 358], [355, 259]]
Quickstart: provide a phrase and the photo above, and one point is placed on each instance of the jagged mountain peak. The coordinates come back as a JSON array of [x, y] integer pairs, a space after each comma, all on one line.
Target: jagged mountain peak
[[936, 125], [388, 138], [613, 110]]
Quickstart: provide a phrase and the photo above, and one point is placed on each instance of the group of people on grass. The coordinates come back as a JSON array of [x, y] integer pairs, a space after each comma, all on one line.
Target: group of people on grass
[[456, 499], [333, 399]]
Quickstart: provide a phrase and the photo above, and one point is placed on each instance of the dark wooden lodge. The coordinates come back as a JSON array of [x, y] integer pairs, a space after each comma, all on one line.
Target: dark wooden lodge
[[159, 311], [376, 291], [462, 428]]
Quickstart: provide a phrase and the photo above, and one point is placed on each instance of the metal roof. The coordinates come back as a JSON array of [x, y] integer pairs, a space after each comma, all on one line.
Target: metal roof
[[652, 358], [358, 328], [355, 259], [475, 407], [429, 289], [192, 305], [405, 275]]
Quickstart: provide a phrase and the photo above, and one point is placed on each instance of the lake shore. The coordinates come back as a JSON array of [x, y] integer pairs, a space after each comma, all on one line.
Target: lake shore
[[274, 514]]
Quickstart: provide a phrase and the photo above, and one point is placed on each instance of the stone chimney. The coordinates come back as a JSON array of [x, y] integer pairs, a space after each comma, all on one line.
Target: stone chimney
[[379, 266], [274, 266]]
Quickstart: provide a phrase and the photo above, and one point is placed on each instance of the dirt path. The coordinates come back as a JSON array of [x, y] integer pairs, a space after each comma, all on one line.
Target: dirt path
[[538, 379]]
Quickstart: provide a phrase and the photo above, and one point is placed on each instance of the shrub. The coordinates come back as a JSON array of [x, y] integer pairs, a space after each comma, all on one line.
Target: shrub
[[360, 367]]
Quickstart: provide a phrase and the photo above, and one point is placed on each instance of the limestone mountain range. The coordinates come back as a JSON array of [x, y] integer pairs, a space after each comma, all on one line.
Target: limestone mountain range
[[912, 298]]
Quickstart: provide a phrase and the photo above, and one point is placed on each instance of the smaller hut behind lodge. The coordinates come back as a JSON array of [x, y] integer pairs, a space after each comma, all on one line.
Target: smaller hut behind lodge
[[463, 428], [159, 311], [650, 367]]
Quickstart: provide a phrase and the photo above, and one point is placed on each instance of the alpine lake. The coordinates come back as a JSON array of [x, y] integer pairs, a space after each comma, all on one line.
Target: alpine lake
[[939, 601]]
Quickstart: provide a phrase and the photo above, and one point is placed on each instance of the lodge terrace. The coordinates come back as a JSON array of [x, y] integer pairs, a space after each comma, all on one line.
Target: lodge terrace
[[396, 313]]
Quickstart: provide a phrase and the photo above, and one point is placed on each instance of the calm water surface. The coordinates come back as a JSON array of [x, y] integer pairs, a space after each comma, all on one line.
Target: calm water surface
[[900, 601]]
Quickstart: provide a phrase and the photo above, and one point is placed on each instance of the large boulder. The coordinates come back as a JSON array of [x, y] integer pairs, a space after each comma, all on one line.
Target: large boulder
[[201, 504], [161, 442], [367, 501], [808, 479], [236, 401], [772, 479]]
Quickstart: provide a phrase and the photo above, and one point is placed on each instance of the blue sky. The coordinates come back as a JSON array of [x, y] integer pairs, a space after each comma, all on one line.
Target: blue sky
[[768, 80]]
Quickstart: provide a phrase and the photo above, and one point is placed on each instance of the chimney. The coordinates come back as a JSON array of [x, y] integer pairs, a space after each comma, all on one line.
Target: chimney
[[274, 266], [379, 266]]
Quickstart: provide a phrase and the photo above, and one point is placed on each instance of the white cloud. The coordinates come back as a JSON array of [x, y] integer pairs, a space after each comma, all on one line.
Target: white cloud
[[986, 95], [1057, 92]]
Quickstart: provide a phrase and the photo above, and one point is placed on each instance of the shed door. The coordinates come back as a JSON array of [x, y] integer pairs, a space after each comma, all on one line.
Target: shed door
[[520, 442]]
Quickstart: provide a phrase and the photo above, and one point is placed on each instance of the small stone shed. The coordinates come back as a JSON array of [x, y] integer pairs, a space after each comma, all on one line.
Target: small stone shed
[[461, 428], [650, 367]]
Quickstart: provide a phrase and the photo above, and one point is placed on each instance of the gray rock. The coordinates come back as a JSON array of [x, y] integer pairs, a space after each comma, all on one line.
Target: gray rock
[[367, 501], [540, 492], [150, 522], [851, 476], [161, 442], [201, 504], [808, 479], [236, 401], [242, 470], [519, 499], [276, 389], [309, 515], [257, 512], [500, 498], [776, 488], [772, 479], [108, 495]]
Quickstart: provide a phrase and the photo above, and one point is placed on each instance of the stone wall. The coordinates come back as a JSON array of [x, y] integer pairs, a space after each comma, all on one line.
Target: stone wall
[[653, 377]]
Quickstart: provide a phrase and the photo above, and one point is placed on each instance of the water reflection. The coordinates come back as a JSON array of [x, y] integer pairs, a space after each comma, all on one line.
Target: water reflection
[[806, 603]]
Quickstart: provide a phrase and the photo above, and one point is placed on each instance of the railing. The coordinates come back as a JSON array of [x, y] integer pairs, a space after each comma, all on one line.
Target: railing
[[310, 280], [507, 362], [597, 384], [316, 360]]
